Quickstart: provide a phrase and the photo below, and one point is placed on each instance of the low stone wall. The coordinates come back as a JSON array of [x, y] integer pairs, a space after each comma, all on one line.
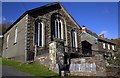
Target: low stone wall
[[88, 66], [113, 71], [82, 66], [44, 59]]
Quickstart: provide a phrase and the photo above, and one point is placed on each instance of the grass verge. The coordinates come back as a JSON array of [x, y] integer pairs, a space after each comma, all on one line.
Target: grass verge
[[34, 69]]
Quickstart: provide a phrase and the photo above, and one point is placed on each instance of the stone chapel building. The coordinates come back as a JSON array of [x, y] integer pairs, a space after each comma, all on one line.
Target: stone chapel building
[[49, 34]]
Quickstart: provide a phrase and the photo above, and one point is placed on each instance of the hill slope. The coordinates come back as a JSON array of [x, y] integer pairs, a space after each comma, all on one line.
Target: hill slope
[[34, 69]]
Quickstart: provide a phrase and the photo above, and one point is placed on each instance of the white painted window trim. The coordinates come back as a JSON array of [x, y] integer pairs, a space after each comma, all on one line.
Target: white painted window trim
[[7, 40], [113, 47], [104, 45], [16, 30], [66, 41], [74, 39], [38, 34], [109, 46], [73, 44], [43, 34], [62, 29], [57, 29]]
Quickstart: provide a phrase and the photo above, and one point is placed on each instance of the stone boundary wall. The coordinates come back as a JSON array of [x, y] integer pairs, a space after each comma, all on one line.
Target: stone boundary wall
[[113, 71], [88, 66]]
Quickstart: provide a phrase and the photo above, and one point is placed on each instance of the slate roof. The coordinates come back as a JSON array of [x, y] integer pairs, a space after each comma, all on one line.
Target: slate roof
[[57, 5], [42, 10], [30, 11], [99, 38]]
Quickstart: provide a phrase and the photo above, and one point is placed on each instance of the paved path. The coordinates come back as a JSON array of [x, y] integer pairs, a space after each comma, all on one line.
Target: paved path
[[10, 71]]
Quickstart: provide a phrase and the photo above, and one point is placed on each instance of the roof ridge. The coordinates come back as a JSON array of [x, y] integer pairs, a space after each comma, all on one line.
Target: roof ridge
[[26, 12], [46, 5]]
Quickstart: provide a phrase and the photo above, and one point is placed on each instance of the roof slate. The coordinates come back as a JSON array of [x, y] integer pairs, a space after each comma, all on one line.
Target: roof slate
[[99, 38]]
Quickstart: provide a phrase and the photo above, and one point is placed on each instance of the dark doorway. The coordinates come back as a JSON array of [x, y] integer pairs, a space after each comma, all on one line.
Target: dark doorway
[[86, 47]]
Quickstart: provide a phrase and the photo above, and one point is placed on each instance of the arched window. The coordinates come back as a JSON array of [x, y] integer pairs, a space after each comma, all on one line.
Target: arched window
[[7, 40], [58, 28], [104, 46], [16, 30], [109, 46], [113, 47], [74, 39], [39, 33]]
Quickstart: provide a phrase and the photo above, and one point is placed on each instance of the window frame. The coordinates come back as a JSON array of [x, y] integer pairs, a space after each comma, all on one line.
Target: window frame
[[8, 37], [113, 47], [74, 39], [16, 35], [58, 28], [39, 34], [104, 45], [108, 46]]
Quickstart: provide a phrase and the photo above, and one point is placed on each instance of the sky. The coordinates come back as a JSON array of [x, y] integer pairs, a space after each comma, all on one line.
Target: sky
[[99, 17]]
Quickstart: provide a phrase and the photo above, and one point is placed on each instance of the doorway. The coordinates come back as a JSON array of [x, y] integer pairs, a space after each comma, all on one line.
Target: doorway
[[86, 47]]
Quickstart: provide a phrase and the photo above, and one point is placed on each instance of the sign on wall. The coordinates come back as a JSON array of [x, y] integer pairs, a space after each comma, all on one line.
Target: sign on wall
[[85, 67]]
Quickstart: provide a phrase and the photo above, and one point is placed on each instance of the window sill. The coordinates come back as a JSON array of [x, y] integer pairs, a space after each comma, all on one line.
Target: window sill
[[58, 40], [39, 46]]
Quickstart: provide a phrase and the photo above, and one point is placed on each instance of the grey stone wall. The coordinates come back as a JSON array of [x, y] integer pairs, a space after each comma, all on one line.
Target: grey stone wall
[[0, 40], [55, 56], [43, 55], [88, 66], [15, 51], [46, 18], [113, 71]]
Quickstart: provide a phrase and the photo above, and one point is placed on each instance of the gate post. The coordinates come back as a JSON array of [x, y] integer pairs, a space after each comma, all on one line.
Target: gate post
[[56, 55]]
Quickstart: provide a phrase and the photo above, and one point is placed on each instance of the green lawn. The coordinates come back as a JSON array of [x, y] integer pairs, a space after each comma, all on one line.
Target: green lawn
[[34, 69]]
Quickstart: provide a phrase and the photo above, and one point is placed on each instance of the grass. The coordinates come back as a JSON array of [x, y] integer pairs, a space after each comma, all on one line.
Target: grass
[[34, 69], [0, 61]]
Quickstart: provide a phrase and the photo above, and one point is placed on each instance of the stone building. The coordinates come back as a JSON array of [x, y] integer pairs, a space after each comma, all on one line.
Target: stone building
[[50, 35], [1, 36]]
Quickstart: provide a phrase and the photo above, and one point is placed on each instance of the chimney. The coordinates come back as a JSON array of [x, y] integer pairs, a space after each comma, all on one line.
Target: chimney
[[101, 35], [84, 29]]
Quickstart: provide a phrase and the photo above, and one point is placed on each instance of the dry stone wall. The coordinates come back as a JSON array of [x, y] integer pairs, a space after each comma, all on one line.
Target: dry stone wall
[[88, 66]]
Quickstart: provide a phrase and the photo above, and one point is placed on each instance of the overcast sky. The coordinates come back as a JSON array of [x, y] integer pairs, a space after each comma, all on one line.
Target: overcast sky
[[100, 17]]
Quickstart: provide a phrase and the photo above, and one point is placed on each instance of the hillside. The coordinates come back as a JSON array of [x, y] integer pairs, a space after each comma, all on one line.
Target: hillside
[[4, 27], [34, 68], [117, 41], [116, 59]]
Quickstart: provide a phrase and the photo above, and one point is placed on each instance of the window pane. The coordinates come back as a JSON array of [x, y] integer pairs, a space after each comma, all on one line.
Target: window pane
[[40, 32], [15, 35], [104, 45], [113, 47], [60, 29], [56, 29], [73, 39], [7, 40], [108, 46], [36, 34]]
